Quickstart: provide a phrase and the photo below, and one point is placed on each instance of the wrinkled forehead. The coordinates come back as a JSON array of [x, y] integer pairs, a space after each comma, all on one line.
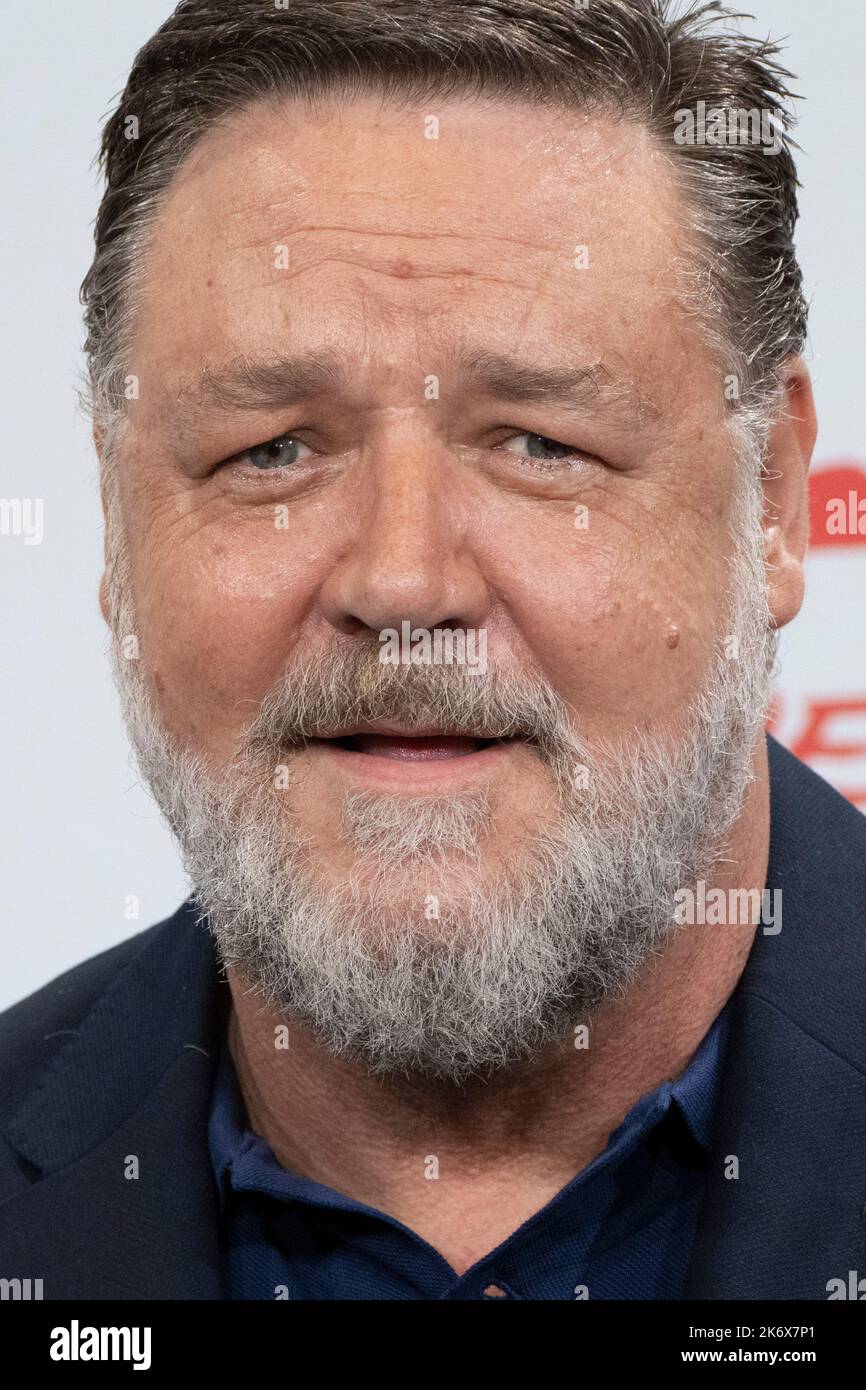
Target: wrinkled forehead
[[392, 229]]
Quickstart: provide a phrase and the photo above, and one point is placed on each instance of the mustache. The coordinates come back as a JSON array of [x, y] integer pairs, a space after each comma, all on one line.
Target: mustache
[[349, 687]]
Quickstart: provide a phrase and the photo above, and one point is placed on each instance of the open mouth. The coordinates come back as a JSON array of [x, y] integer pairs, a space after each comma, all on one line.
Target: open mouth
[[417, 748]]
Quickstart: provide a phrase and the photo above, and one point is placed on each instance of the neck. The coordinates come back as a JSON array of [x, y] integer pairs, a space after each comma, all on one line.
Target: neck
[[502, 1148]]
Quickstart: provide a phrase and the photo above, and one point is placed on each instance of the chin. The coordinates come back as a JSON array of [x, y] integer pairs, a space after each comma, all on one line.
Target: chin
[[417, 890]]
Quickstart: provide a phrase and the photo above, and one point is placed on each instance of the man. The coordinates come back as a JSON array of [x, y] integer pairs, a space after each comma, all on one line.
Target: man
[[519, 962]]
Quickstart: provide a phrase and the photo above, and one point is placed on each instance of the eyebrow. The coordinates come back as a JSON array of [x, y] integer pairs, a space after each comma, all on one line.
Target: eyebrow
[[245, 383], [576, 388]]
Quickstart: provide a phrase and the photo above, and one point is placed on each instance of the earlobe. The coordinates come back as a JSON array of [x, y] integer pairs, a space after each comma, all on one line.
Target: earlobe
[[786, 493]]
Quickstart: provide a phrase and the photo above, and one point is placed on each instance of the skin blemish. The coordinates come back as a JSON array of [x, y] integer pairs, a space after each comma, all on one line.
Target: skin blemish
[[673, 637]]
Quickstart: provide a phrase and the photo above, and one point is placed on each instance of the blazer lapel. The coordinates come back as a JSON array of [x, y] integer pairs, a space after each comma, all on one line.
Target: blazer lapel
[[792, 1115]]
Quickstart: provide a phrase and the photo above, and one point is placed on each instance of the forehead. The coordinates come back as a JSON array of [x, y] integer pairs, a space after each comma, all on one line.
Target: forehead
[[396, 228]]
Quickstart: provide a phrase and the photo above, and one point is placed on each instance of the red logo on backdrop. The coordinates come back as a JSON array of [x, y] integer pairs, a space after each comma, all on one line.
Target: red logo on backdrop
[[831, 730], [837, 505], [819, 737]]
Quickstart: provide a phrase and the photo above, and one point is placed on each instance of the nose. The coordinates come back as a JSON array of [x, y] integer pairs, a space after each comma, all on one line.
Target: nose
[[411, 556]]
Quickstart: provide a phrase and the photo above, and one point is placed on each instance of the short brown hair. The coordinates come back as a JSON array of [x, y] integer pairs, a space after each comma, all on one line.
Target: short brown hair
[[639, 58]]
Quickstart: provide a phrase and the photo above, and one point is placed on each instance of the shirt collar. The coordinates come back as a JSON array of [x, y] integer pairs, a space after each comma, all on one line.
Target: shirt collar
[[696, 1091], [229, 1134]]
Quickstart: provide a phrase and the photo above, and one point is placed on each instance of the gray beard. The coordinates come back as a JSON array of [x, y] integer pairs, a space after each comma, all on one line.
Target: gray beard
[[438, 961]]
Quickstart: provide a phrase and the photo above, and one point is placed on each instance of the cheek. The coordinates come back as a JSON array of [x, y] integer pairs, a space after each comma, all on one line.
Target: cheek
[[218, 624], [624, 628]]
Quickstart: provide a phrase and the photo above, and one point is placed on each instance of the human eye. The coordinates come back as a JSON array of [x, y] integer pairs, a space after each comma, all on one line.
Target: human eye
[[541, 451], [284, 451]]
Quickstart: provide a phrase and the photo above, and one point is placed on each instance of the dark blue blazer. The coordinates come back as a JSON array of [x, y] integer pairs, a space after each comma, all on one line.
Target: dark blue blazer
[[114, 1059]]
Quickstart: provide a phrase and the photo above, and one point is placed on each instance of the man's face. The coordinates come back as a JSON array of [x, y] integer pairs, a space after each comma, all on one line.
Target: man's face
[[436, 475], [411, 492]]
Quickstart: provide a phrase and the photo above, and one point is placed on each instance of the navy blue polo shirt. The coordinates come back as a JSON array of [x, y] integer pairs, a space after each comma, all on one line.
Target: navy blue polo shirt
[[623, 1228]]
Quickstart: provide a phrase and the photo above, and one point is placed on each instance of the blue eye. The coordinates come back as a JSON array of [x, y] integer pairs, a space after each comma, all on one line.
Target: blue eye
[[282, 452], [541, 448]]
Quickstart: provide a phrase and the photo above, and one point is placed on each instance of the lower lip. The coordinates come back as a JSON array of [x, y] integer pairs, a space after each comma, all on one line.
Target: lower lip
[[416, 760]]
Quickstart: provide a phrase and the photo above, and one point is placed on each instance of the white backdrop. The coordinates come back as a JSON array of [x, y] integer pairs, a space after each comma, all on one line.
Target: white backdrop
[[79, 836]]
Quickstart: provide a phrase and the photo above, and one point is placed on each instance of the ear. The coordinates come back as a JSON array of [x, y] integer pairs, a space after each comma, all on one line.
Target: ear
[[786, 493], [103, 583]]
